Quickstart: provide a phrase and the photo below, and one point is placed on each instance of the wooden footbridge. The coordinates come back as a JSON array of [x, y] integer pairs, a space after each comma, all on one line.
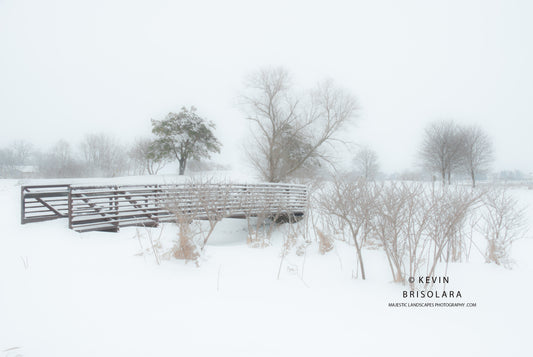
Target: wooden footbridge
[[107, 208]]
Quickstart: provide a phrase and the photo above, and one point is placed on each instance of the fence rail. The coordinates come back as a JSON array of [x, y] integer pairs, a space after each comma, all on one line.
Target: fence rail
[[107, 208]]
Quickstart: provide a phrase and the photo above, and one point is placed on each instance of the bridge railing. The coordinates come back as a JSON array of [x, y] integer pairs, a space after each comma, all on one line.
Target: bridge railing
[[43, 203], [107, 208]]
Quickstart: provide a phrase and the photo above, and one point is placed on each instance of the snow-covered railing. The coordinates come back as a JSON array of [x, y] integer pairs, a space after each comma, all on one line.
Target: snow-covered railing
[[43, 203], [108, 208]]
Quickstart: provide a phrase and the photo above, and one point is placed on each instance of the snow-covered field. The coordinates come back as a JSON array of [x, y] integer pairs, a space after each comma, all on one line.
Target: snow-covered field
[[68, 294]]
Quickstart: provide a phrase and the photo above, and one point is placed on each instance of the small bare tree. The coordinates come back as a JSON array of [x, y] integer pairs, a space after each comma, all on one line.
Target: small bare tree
[[478, 151], [366, 163], [290, 134]]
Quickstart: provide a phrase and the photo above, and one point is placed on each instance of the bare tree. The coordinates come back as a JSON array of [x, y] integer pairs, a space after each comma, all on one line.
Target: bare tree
[[103, 155], [366, 163], [146, 157], [22, 151], [478, 151], [7, 162], [60, 162], [289, 133], [442, 148]]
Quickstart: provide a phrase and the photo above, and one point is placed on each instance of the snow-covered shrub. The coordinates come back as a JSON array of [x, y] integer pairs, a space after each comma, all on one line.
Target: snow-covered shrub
[[325, 242], [502, 222]]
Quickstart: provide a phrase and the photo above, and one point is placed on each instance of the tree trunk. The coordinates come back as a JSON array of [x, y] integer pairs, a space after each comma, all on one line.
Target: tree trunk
[[183, 164], [473, 178]]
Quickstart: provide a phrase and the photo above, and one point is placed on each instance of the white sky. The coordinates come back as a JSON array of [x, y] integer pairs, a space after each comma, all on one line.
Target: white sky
[[72, 67]]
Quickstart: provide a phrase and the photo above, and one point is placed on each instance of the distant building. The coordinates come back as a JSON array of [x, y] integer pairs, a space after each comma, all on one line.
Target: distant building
[[25, 171]]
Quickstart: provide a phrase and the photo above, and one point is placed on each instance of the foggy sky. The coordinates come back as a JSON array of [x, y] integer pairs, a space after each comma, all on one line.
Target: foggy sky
[[68, 68]]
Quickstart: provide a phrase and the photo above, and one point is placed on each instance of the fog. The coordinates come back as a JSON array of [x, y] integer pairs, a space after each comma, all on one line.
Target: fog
[[68, 68]]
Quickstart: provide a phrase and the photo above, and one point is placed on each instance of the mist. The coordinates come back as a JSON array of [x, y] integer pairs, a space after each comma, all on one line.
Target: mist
[[71, 68]]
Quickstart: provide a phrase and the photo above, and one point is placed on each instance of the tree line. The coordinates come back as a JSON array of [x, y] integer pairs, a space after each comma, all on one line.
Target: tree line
[[294, 133]]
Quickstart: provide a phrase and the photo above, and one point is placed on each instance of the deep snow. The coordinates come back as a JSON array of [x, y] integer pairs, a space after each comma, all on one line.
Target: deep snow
[[68, 294]]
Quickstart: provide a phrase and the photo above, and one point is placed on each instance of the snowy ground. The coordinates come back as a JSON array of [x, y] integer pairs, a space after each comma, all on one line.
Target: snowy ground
[[68, 294]]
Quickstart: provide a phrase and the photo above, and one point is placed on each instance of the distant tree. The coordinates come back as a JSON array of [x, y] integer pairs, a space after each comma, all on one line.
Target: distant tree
[[442, 149], [22, 152], [366, 163], [290, 133], [185, 136], [7, 162], [147, 157], [478, 151], [60, 162], [103, 155]]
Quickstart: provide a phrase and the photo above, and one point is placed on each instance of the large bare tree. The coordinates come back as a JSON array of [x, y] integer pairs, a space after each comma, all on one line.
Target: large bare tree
[[291, 133], [442, 150], [478, 151]]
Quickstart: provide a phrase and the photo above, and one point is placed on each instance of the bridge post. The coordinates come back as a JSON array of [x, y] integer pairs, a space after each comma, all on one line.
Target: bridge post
[[69, 207]]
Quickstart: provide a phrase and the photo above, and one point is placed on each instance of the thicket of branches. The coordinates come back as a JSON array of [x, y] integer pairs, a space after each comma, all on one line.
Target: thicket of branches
[[418, 226]]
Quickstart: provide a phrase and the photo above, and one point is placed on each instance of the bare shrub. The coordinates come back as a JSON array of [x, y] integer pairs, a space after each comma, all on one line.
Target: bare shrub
[[325, 242], [263, 211], [186, 247], [204, 200], [416, 226], [155, 246], [502, 223], [452, 208], [394, 224], [352, 203]]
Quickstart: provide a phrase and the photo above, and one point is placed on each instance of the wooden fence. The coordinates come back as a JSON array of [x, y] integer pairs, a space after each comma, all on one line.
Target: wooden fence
[[107, 208]]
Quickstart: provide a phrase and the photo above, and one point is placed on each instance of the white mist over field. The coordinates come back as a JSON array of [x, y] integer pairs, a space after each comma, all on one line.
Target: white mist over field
[[69, 68]]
